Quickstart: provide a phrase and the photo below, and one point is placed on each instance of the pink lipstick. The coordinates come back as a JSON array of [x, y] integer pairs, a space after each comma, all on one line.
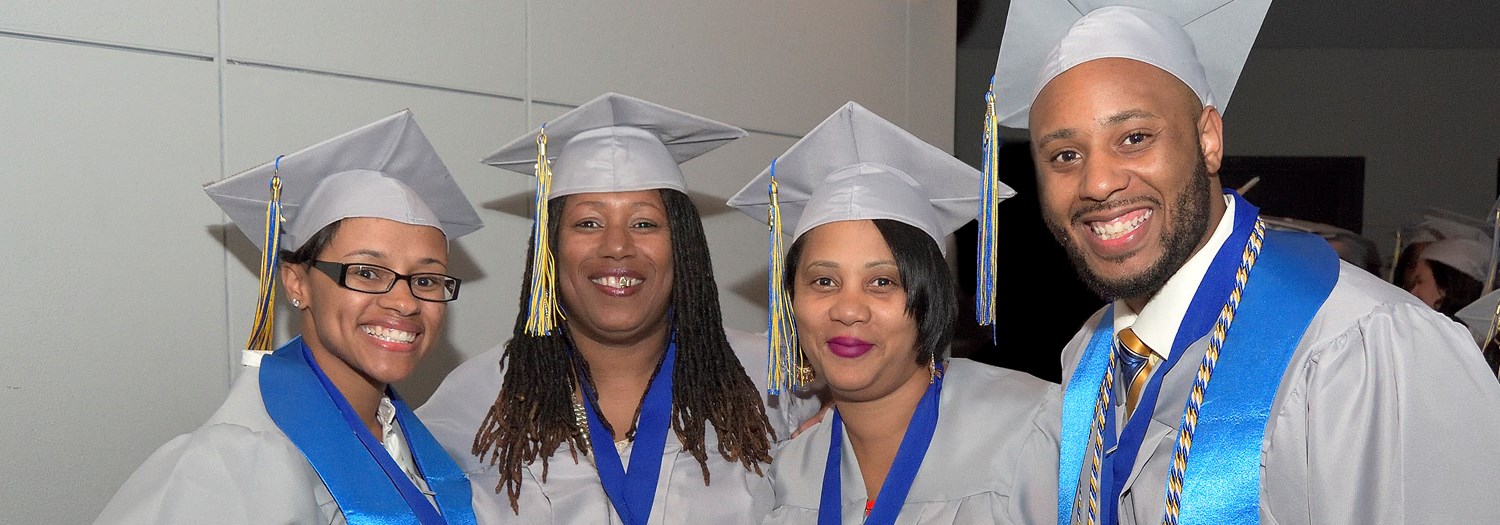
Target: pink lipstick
[[849, 347]]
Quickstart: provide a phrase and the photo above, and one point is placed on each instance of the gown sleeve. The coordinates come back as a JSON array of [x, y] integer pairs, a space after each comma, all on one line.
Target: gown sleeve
[[224, 474], [1395, 419]]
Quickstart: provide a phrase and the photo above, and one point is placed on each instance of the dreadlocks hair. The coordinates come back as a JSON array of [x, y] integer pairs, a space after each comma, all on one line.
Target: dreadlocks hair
[[533, 415]]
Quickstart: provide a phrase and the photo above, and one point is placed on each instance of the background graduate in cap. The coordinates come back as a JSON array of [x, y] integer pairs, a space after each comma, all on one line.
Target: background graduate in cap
[[1353, 247], [864, 301], [1450, 273], [619, 398], [1276, 383], [356, 229], [1433, 224]]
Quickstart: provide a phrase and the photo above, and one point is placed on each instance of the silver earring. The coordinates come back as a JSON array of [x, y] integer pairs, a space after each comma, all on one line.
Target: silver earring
[[296, 303]]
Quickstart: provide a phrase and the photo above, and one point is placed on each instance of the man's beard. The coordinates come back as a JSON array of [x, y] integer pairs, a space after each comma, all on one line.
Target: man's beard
[[1188, 227]]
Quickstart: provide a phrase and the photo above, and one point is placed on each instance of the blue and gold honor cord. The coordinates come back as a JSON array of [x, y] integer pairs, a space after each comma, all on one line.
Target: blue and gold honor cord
[[1189, 423], [542, 305], [262, 331], [1205, 372], [783, 356]]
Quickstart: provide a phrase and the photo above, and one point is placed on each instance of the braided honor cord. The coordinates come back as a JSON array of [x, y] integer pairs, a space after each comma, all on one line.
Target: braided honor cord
[[1206, 372], [1195, 398]]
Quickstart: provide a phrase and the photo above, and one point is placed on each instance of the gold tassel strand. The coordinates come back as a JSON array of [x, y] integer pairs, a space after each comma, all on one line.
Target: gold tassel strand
[[263, 329], [543, 311]]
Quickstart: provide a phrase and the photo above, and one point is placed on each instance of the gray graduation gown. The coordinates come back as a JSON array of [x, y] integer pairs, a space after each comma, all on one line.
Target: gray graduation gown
[[238, 468], [1386, 414], [573, 493], [993, 457]]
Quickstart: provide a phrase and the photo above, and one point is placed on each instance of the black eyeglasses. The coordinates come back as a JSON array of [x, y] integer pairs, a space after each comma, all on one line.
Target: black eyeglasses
[[374, 279]]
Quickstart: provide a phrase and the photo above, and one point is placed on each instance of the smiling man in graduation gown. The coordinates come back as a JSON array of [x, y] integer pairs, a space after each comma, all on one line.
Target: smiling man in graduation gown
[[1239, 374]]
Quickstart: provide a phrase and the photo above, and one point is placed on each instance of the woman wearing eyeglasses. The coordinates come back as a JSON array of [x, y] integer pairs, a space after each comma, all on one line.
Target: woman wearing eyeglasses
[[314, 433]]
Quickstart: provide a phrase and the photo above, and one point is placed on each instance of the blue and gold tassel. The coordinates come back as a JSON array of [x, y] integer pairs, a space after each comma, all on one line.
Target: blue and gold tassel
[[263, 330], [1489, 279], [785, 368], [984, 289], [543, 310], [1396, 260]]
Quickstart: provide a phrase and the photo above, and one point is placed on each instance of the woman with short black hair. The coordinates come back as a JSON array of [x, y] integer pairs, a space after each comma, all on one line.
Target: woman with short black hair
[[913, 437]]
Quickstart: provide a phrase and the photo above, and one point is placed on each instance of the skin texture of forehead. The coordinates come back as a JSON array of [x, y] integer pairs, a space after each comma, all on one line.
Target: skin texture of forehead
[[1134, 71]]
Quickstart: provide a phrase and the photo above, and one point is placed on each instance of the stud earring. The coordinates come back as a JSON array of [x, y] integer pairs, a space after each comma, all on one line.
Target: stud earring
[[296, 303]]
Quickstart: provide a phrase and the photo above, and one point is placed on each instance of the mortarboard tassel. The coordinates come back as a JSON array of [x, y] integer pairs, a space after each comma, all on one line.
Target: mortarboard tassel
[[1489, 280], [1396, 260], [1494, 327], [262, 331], [785, 368], [984, 289], [543, 302]]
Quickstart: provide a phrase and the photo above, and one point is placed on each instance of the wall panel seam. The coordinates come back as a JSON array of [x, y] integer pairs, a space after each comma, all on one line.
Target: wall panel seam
[[369, 78], [22, 35]]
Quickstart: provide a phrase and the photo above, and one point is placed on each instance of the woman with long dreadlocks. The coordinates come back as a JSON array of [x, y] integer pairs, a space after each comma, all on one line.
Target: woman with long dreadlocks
[[914, 438], [619, 398], [313, 433]]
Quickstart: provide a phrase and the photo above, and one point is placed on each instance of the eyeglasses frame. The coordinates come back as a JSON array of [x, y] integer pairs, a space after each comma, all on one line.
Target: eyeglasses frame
[[338, 271]]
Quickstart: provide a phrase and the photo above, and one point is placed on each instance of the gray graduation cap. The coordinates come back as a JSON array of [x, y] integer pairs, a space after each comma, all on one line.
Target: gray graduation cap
[[854, 165], [613, 143], [1465, 255], [1481, 317], [857, 165], [1350, 246], [386, 169], [616, 143], [1435, 224], [1204, 43], [1326, 231]]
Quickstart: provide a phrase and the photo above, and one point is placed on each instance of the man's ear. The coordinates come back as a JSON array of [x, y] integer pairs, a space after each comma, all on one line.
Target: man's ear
[[1211, 138]]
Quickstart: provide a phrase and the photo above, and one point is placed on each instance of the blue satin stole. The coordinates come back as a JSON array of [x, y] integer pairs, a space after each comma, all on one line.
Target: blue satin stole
[[1291, 279], [366, 483]]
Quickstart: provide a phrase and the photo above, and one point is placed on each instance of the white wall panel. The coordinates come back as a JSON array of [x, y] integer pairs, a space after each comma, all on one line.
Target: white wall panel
[[114, 285], [270, 112], [776, 65], [930, 62], [477, 46], [736, 241], [187, 26]]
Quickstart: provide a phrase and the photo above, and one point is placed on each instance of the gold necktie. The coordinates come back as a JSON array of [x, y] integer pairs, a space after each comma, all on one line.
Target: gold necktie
[[1137, 362]]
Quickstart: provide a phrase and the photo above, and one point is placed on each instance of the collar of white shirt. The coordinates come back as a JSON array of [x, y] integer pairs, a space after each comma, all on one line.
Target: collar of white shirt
[[395, 444], [1156, 324]]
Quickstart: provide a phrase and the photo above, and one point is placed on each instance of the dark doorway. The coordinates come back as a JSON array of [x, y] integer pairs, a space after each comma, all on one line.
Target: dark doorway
[[1039, 301], [1329, 190]]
